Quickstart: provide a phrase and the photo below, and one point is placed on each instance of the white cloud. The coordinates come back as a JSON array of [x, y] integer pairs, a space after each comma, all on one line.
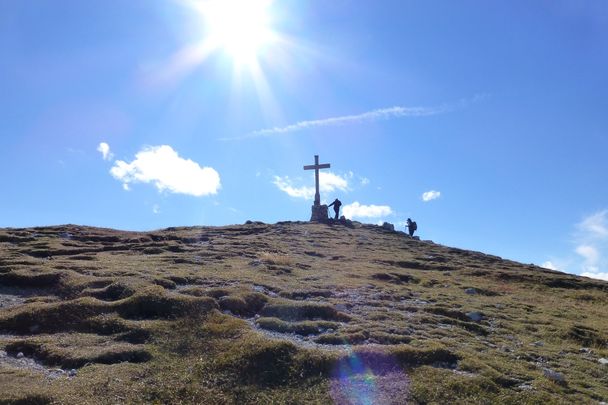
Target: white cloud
[[328, 182], [430, 195], [356, 210], [163, 167], [364, 181], [549, 265], [156, 209], [589, 253], [595, 225], [591, 245], [104, 149], [597, 275], [285, 184]]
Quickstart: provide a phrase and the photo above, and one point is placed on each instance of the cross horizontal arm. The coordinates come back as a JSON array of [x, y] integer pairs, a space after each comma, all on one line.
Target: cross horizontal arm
[[313, 167]]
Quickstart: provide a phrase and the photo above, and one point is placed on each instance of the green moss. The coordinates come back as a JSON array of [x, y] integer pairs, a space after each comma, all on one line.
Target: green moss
[[153, 302]]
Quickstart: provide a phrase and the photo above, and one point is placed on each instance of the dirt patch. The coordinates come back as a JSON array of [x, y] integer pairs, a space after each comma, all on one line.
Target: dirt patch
[[15, 296], [303, 311], [305, 328], [305, 294], [23, 362]]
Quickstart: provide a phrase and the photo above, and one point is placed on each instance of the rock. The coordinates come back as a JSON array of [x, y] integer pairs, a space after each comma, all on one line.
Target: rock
[[388, 226], [20, 355], [319, 213], [470, 291], [538, 343], [248, 222], [603, 361], [475, 316], [554, 376], [584, 350], [72, 372], [418, 238]]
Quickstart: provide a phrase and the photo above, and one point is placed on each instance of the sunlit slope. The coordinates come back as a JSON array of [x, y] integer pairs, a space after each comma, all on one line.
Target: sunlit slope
[[289, 313]]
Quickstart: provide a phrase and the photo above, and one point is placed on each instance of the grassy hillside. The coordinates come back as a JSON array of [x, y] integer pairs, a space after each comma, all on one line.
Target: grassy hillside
[[289, 313]]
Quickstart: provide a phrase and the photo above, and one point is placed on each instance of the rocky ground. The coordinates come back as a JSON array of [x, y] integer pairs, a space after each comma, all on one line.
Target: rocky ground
[[289, 313]]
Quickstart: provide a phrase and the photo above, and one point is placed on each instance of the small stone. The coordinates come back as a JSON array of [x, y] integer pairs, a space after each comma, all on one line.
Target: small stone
[[538, 343], [475, 316], [603, 361], [20, 355], [554, 376], [72, 372], [584, 350], [470, 291]]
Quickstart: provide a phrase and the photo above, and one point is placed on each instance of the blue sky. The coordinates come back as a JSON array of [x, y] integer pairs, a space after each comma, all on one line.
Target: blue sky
[[484, 121]]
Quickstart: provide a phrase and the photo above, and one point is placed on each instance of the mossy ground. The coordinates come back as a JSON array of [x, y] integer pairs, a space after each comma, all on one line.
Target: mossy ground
[[289, 313]]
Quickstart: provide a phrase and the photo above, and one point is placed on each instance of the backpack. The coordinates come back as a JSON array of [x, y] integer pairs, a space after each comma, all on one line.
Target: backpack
[[414, 226]]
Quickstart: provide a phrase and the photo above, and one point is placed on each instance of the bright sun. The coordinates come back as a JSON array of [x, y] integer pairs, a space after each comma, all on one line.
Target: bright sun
[[241, 28]]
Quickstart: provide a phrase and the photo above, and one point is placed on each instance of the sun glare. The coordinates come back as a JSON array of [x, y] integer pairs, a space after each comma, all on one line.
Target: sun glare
[[241, 28]]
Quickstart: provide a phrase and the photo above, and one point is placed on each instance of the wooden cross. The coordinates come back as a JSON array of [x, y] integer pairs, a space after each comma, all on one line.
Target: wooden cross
[[316, 168]]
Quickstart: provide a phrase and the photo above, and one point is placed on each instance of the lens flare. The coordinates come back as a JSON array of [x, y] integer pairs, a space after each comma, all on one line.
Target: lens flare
[[368, 378]]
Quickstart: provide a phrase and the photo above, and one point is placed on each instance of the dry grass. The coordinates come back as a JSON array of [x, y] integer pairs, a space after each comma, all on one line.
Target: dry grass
[[274, 313]]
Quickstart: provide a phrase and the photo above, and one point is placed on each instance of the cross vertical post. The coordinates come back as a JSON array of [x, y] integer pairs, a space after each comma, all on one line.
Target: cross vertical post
[[316, 168]]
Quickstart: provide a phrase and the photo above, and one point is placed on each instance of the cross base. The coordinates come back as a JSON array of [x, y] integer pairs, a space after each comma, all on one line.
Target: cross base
[[319, 213]]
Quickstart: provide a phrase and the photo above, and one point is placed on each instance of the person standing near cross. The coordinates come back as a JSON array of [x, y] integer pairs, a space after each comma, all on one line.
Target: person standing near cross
[[319, 212]]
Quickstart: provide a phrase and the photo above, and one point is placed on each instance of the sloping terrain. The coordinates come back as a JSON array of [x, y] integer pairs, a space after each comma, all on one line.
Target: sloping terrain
[[289, 313]]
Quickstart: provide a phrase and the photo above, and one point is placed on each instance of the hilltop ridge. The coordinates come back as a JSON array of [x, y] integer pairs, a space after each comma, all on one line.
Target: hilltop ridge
[[293, 312]]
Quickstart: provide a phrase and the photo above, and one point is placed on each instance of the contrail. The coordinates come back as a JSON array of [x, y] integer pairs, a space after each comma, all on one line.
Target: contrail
[[369, 116]]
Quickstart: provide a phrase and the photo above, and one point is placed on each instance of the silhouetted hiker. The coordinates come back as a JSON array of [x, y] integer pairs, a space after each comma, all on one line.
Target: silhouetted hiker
[[337, 204], [411, 227]]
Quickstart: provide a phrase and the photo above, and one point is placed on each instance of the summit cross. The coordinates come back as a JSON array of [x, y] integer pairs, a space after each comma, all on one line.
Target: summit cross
[[316, 168]]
